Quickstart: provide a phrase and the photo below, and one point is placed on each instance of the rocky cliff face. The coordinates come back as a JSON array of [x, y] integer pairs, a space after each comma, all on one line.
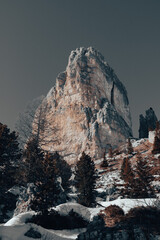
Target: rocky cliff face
[[147, 123], [89, 107]]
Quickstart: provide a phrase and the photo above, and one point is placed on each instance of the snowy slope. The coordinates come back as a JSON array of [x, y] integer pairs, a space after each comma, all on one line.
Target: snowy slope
[[18, 233], [127, 204], [15, 228]]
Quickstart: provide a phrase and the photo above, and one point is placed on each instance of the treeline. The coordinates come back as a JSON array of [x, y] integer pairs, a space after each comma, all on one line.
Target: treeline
[[51, 175], [138, 176], [48, 172]]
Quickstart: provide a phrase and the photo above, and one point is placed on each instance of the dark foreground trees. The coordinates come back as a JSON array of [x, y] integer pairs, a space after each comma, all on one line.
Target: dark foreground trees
[[9, 160], [32, 168], [62, 170], [144, 178], [138, 183], [47, 187], [9, 157], [48, 172], [85, 180], [128, 177]]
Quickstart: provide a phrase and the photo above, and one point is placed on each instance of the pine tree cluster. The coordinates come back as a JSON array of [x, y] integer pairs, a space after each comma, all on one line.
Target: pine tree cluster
[[50, 173], [43, 170], [9, 157], [138, 182]]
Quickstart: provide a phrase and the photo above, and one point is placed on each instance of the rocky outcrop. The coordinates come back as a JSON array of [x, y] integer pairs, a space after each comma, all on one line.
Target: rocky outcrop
[[147, 123], [88, 106]]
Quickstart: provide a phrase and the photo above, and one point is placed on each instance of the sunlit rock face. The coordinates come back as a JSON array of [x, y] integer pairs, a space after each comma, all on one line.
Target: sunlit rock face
[[89, 107]]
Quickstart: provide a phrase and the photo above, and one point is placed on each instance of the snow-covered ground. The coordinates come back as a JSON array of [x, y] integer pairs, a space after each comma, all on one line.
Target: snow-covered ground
[[65, 208], [127, 204], [86, 213], [16, 227], [19, 219], [18, 233], [136, 143], [108, 179]]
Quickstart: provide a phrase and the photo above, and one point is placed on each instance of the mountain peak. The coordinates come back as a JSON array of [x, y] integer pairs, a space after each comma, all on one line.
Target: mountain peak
[[89, 106], [82, 53]]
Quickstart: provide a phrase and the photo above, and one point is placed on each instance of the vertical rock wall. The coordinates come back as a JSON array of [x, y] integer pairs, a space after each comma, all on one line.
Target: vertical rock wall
[[89, 107]]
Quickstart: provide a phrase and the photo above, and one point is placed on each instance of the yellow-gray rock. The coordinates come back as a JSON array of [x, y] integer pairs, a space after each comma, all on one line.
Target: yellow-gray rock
[[88, 106]]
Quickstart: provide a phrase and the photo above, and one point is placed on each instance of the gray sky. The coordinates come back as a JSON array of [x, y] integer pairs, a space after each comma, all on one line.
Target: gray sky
[[36, 37]]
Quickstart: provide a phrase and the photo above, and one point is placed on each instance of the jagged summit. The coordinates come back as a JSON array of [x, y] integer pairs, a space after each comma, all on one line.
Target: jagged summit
[[83, 53], [81, 56], [89, 105]]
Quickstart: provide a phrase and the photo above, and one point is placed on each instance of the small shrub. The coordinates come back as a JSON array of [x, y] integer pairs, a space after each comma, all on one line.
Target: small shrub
[[112, 215], [113, 211]]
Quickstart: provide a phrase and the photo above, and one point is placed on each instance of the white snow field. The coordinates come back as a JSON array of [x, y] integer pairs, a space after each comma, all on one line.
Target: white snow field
[[127, 204], [17, 233], [86, 213], [16, 227]]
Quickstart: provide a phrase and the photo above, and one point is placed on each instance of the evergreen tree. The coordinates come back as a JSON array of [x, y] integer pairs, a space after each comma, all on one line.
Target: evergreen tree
[[126, 170], [48, 190], [85, 180], [110, 152], [156, 145], [9, 157], [129, 147], [128, 176], [143, 187], [62, 170], [32, 161], [104, 164], [40, 170]]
